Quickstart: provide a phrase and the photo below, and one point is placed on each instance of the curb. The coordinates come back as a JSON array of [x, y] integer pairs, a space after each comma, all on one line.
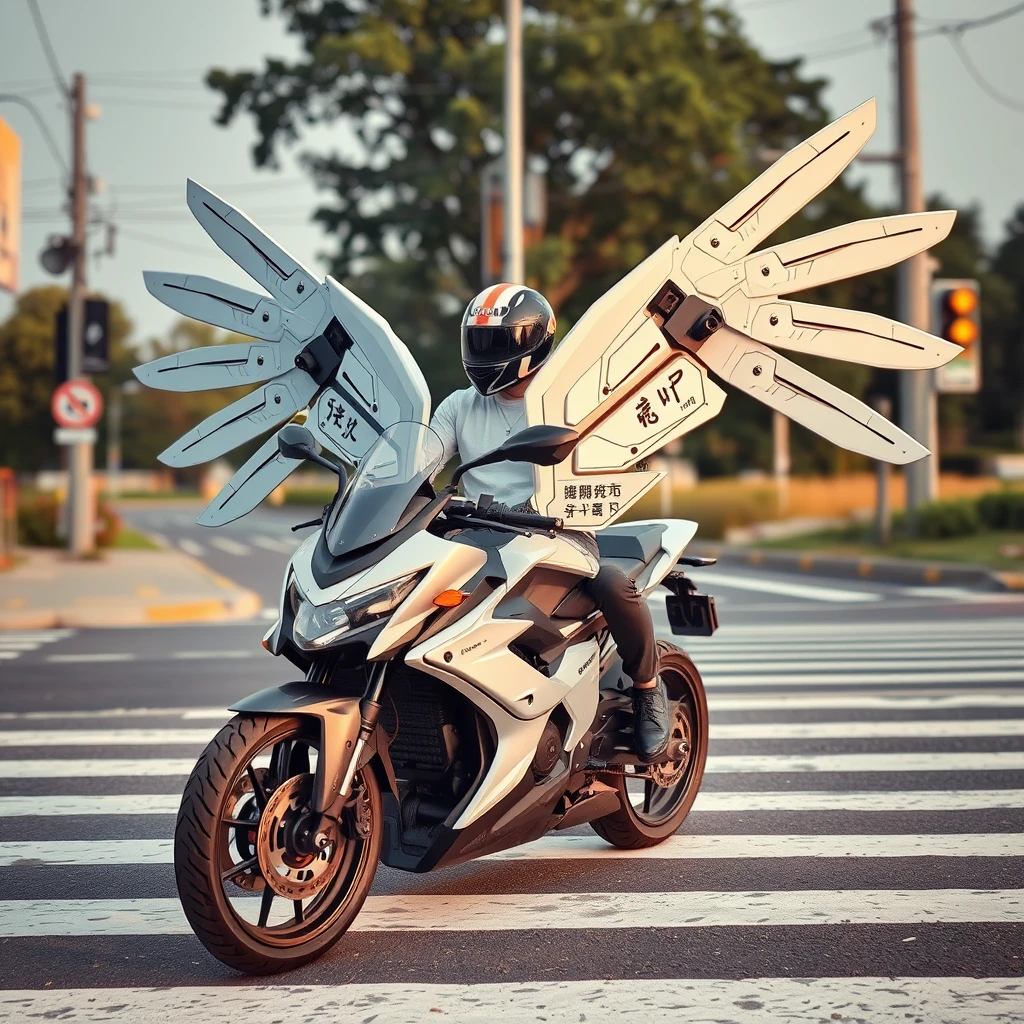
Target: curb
[[887, 570]]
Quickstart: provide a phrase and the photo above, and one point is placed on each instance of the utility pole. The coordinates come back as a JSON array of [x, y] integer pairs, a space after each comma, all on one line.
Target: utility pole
[[81, 535], [780, 460], [514, 267], [917, 391]]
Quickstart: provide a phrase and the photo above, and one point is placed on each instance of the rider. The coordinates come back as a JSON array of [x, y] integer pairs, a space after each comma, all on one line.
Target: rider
[[508, 332]]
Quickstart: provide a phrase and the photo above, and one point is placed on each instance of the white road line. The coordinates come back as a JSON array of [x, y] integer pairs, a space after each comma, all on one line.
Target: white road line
[[89, 853], [1001, 625], [645, 1001], [45, 635], [576, 911], [70, 659], [948, 761], [922, 644], [158, 538], [232, 547], [46, 716], [208, 655], [276, 544], [811, 593], [938, 649], [842, 730], [191, 547], [269, 614], [708, 801], [872, 679], [918, 665], [19, 645], [9, 655], [102, 737], [719, 731], [823, 700]]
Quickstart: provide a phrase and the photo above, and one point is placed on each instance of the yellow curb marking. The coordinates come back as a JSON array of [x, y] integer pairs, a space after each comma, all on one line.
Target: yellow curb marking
[[932, 574], [1011, 580], [185, 611], [865, 567]]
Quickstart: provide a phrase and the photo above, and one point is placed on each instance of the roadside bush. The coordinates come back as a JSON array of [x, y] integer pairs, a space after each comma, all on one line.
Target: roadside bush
[[38, 516], [1002, 510], [939, 520]]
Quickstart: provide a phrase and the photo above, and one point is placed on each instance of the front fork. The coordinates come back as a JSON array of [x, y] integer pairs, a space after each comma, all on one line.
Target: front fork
[[369, 712]]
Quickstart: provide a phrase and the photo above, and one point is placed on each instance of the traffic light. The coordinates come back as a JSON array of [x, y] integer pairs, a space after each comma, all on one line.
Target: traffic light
[[956, 317]]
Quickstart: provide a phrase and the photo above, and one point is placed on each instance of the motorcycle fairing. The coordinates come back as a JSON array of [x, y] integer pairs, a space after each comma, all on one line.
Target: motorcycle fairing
[[634, 371], [319, 346]]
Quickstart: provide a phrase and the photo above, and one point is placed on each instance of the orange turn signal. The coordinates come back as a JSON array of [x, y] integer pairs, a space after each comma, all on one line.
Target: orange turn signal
[[449, 599]]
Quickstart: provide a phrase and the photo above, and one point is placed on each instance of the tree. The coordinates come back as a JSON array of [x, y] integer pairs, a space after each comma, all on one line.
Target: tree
[[1003, 338]]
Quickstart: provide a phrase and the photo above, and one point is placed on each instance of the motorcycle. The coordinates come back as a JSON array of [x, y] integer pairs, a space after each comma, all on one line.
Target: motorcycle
[[460, 697]]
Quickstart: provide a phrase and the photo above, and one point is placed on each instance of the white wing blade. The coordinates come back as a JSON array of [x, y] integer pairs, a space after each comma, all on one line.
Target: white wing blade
[[847, 334], [266, 470], [772, 198], [832, 255], [806, 398], [256, 253], [243, 420], [217, 366]]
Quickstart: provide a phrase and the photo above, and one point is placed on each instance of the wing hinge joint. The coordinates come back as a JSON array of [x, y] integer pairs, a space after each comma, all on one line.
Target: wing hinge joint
[[323, 355], [687, 321]]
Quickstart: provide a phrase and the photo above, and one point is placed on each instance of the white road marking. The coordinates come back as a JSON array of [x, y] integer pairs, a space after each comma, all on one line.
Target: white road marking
[[768, 667], [183, 713], [70, 659], [947, 593], [18, 645], [101, 737], [8, 655], [537, 911], [87, 853], [823, 700], [191, 547], [915, 629], [889, 648], [269, 614], [713, 678], [947, 761], [708, 801], [842, 730], [643, 1001], [276, 544], [787, 589], [232, 547], [207, 655], [158, 538]]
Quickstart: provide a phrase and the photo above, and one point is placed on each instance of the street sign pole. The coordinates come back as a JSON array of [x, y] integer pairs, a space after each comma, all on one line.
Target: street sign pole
[[81, 534], [514, 268]]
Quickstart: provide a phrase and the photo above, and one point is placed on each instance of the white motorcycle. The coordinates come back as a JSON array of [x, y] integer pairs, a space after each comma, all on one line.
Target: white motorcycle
[[460, 695]]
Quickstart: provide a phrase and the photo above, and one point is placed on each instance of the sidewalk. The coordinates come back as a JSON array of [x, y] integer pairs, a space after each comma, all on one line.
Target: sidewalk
[[122, 588]]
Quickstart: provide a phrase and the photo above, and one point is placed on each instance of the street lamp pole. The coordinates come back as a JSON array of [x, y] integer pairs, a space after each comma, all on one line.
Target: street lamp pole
[[514, 260]]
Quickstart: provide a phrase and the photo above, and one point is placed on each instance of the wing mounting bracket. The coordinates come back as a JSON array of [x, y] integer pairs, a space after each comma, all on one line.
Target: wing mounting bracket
[[323, 355], [687, 321]]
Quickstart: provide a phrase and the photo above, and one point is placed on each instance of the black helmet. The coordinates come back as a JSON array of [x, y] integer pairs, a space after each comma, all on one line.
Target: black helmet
[[507, 333]]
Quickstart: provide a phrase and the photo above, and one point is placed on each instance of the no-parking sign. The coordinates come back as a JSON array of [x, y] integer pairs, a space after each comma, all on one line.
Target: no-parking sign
[[77, 405]]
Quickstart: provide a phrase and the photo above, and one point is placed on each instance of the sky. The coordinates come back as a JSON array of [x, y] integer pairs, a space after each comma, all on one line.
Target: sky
[[145, 61]]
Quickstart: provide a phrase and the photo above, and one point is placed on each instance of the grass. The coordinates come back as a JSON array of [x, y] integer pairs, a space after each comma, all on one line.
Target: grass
[[997, 549], [133, 540]]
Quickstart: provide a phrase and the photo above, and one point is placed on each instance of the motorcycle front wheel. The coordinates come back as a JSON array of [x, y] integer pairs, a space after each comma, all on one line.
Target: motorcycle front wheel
[[653, 805], [266, 884]]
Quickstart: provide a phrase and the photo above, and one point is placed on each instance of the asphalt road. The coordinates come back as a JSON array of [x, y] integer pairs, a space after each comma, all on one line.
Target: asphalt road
[[857, 852]]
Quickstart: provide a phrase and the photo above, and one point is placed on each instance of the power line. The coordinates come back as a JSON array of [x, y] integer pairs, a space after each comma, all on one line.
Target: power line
[[983, 83], [51, 56], [164, 243], [37, 117]]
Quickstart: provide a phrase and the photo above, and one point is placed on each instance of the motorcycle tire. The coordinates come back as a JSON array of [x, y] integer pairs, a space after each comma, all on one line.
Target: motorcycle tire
[[219, 893], [629, 828]]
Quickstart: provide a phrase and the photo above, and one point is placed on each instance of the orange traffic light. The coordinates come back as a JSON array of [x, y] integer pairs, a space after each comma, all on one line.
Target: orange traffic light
[[960, 317], [962, 301], [956, 317], [962, 331]]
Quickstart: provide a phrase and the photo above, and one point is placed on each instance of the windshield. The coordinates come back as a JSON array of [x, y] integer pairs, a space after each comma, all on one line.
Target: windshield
[[391, 472]]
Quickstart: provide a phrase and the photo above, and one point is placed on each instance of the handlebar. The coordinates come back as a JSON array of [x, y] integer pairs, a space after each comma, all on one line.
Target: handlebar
[[499, 513]]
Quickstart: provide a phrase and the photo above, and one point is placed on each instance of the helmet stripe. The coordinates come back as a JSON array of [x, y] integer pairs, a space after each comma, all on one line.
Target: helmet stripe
[[489, 302]]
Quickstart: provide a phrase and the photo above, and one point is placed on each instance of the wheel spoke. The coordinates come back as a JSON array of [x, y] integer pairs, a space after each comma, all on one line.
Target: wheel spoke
[[265, 902], [648, 791], [236, 869], [279, 760], [298, 910], [258, 792]]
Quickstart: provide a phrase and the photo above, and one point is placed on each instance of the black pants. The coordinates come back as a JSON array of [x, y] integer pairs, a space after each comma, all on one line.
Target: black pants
[[629, 620]]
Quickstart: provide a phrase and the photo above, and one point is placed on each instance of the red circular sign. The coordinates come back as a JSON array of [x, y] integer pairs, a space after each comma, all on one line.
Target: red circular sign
[[76, 403]]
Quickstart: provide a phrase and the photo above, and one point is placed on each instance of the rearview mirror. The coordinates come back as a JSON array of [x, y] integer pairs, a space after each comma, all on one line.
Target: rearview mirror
[[540, 445], [296, 442]]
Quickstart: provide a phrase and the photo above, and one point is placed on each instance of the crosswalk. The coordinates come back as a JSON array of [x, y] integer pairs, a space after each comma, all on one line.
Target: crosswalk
[[15, 643], [856, 854]]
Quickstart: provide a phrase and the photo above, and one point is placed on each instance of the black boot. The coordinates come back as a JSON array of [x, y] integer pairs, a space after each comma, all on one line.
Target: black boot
[[650, 722]]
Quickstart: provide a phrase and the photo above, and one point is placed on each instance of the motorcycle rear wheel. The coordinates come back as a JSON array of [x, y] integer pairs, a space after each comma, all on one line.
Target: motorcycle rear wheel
[[224, 850], [651, 818]]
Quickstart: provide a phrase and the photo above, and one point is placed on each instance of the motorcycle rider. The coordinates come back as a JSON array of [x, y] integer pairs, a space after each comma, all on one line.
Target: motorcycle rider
[[508, 332]]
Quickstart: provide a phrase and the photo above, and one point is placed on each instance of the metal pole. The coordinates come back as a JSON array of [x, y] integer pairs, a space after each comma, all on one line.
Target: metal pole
[[780, 459], [915, 386], [81, 538], [514, 269], [114, 442], [883, 497]]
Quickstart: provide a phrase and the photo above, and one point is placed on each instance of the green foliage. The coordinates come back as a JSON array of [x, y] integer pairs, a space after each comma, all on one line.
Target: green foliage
[[1002, 510], [38, 516]]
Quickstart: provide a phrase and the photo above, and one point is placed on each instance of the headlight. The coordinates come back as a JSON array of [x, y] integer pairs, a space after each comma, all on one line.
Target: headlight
[[318, 626]]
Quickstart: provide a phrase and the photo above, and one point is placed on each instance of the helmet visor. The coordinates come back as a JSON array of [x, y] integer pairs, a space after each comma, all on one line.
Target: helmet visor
[[484, 345]]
